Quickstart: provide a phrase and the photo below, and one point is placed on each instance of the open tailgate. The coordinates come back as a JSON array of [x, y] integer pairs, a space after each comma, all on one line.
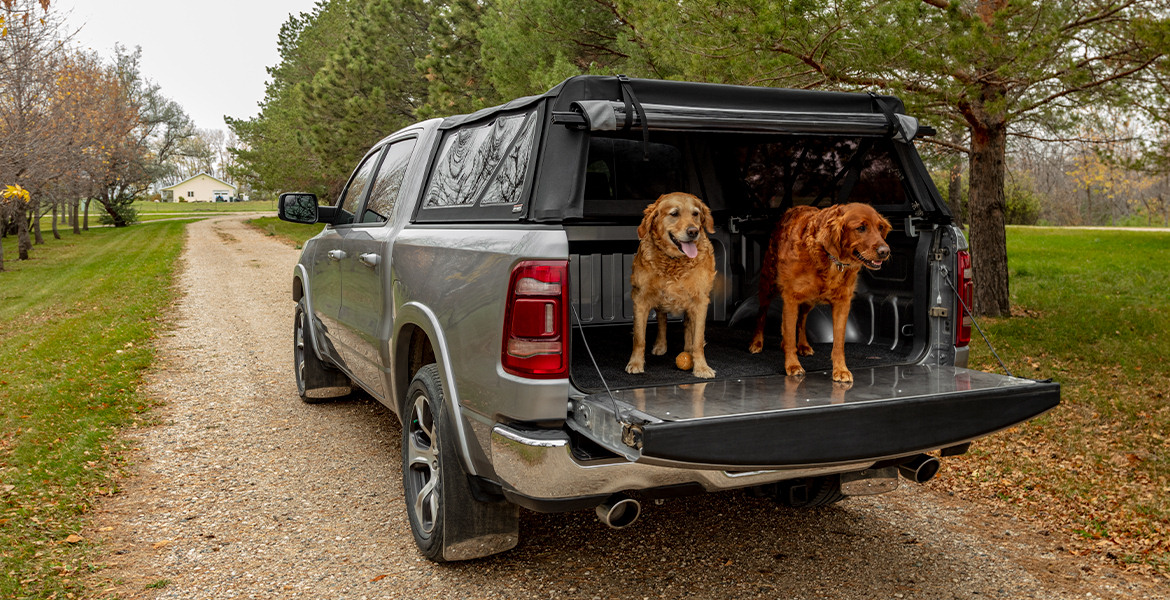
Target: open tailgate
[[770, 422]]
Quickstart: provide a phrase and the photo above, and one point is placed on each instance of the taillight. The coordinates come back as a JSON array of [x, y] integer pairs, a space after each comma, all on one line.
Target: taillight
[[966, 289], [536, 321]]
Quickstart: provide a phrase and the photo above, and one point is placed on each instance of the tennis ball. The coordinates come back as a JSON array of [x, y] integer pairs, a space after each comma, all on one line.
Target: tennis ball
[[684, 361]]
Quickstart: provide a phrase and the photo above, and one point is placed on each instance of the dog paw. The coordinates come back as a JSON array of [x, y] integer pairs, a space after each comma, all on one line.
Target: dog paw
[[658, 349], [842, 376], [703, 371], [634, 368], [804, 350], [794, 370], [756, 347]]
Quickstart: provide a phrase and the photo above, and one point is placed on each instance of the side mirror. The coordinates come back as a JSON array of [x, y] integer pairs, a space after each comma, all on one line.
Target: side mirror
[[298, 207]]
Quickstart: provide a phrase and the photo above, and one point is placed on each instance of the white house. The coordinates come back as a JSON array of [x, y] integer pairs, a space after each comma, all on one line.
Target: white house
[[201, 188]]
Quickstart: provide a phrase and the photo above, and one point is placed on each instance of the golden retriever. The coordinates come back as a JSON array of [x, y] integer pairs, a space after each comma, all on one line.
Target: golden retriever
[[814, 257], [673, 273]]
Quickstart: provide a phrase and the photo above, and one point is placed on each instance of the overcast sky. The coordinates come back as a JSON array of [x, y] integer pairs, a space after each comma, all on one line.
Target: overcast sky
[[208, 56]]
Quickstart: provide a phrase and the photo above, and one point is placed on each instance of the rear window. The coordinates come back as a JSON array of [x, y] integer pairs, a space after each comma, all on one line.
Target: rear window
[[818, 171], [744, 173]]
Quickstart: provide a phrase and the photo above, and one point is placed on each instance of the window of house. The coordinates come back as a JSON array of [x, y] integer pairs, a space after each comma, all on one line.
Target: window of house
[[191, 194]]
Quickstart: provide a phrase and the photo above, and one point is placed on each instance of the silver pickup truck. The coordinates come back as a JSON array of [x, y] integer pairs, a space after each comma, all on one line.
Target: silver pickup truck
[[474, 277]]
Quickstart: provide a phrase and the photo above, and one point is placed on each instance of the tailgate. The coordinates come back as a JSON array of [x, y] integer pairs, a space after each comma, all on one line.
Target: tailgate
[[766, 422]]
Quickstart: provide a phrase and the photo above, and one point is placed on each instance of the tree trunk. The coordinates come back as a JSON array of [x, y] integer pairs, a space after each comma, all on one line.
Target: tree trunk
[[36, 225], [56, 234], [75, 208], [85, 222], [987, 209], [955, 190], [23, 241]]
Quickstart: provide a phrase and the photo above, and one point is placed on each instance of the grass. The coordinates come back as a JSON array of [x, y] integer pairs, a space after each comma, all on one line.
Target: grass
[[1089, 311], [295, 234], [76, 323], [146, 208]]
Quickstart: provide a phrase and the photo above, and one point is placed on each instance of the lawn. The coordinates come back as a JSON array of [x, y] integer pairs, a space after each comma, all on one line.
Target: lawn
[[295, 234], [146, 208], [76, 324], [1090, 312]]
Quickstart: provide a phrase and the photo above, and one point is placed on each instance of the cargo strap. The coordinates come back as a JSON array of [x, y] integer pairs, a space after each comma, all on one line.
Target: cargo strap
[[895, 123], [633, 106], [968, 312]]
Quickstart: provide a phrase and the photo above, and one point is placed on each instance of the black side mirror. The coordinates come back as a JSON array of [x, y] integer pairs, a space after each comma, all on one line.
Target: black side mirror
[[297, 207]]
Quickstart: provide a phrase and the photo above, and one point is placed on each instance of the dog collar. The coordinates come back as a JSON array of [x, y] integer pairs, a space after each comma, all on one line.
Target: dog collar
[[840, 265]]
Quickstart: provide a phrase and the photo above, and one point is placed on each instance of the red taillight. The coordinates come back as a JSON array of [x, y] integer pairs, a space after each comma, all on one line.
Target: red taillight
[[966, 288], [536, 322]]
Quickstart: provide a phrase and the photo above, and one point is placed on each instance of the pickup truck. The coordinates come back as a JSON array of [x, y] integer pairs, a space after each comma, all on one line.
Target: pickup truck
[[474, 277]]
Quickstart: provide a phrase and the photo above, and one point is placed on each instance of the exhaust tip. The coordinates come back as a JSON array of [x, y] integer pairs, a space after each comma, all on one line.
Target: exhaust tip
[[920, 469], [619, 511]]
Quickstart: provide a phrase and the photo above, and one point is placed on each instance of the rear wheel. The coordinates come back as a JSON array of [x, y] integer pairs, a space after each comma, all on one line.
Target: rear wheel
[[316, 380], [448, 521]]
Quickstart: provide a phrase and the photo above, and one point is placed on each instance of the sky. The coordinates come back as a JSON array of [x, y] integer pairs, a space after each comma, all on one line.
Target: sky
[[209, 56]]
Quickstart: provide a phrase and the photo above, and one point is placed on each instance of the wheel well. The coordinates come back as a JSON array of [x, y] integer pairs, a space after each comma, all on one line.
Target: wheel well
[[417, 353], [298, 289]]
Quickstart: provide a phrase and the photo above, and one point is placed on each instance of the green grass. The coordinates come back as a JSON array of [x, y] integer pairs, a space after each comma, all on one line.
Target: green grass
[[145, 208], [76, 324], [1090, 312], [292, 233]]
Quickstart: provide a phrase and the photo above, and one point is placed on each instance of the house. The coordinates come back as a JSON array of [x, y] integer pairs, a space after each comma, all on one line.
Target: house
[[201, 188]]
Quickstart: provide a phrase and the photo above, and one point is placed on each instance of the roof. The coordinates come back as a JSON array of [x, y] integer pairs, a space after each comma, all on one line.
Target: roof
[[688, 94], [171, 187]]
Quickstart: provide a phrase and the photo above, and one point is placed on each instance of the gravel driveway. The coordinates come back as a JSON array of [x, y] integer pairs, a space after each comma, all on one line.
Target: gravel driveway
[[243, 491]]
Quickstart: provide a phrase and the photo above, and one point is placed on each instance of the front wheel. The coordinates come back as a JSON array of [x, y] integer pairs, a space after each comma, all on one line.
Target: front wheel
[[449, 523], [316, 380]]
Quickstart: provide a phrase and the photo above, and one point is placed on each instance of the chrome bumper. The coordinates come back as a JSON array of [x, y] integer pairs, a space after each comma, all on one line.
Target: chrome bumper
[[540, 465]]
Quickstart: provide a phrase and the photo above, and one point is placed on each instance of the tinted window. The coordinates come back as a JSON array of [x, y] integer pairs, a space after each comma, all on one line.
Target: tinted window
[[621, 169], [489, 161], [388, 183], [820, 171], [355, 190]]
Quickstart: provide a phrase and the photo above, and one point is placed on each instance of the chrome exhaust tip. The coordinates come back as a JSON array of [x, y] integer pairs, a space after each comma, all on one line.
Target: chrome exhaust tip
[[618, 511], [920, 469]]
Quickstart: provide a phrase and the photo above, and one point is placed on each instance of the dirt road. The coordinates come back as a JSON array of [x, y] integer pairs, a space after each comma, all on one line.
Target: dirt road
[[243, 491]]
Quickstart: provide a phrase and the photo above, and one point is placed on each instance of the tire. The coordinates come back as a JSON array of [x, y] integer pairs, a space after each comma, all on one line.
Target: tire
[[316, 380], [810, 492], [448, 522]]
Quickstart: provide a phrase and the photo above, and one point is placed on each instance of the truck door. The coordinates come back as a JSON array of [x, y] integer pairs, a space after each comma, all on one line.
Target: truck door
[[331, 259], [364, 317]]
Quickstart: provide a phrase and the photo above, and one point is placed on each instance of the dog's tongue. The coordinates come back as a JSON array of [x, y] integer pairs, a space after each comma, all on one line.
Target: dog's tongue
[[689, 249]]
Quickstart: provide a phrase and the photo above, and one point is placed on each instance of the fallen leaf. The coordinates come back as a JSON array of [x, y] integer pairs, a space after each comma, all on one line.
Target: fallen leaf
[[73, 538], [158, 545], [379, 578]]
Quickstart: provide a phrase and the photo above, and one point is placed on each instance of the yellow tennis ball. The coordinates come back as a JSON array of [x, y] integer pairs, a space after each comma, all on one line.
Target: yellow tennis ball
[[684, 361]]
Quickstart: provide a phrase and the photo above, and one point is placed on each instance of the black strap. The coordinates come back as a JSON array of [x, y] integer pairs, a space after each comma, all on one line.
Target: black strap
[[631, 101], [891, 120]]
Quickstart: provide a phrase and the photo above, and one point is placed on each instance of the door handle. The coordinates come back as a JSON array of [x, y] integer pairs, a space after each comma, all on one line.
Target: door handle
[[336, 254], [369, 259]]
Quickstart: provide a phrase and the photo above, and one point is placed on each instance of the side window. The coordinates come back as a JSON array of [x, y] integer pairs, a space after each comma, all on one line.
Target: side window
[[388, 183], [355, 190], [488, 162]]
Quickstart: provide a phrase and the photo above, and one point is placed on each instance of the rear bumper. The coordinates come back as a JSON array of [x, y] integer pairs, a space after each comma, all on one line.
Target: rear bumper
[[538, 465]]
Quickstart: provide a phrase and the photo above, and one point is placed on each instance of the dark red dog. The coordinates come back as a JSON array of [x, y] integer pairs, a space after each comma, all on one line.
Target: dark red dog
[[814, 257]]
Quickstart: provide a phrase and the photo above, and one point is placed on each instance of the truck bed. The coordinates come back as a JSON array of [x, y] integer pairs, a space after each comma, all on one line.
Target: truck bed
[[727, 353]]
